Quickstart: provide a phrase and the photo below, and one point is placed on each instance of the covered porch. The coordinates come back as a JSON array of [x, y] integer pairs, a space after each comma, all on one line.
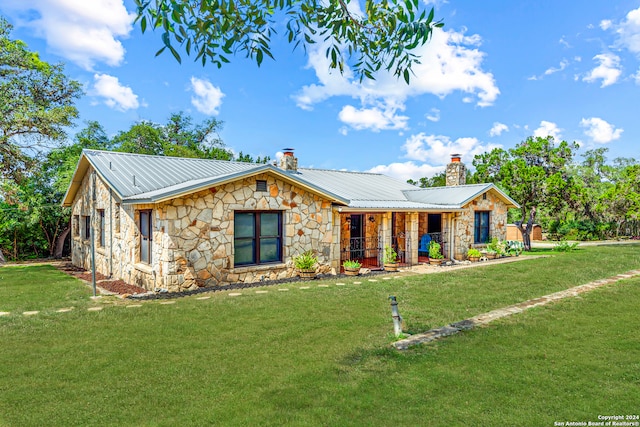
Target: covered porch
[[365, 234]]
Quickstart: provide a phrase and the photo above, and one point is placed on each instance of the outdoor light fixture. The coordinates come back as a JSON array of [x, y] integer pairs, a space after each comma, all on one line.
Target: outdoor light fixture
[[372, 219], [349, 219]]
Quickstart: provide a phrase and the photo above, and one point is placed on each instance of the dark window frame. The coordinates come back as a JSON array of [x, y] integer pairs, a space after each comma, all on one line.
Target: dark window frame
[[101, 228], [146, 236], [86, 227], [481, 227], [256, 238]]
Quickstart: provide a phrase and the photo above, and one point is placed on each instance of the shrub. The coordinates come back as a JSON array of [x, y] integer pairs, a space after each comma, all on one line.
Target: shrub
[[565, 246]]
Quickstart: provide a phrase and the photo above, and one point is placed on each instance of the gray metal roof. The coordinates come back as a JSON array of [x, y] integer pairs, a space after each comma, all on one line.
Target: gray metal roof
[[138, 178]]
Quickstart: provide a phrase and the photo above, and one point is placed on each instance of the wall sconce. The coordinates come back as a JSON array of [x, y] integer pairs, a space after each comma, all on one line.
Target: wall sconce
[[348, 219], [372, 218]]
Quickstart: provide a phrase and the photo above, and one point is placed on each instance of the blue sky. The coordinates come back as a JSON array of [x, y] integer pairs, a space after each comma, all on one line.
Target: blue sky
[[498, 72]]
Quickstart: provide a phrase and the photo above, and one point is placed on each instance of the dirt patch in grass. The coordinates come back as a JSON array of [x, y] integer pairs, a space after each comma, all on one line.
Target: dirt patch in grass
[[115, 286]]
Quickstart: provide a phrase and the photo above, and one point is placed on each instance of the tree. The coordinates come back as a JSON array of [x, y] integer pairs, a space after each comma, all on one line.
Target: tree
[[36, 104], [178, 138], [621, 201], [534, 173], [384, 35]]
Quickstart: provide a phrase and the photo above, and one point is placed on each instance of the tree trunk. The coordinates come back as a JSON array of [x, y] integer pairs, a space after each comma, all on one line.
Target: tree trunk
[[2, 260], [59, 242], [526, 231]]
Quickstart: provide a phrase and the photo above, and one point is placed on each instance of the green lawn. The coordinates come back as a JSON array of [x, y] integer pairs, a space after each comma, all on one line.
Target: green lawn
[[321, 356]]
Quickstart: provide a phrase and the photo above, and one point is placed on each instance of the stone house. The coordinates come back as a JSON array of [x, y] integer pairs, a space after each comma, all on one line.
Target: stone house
[[177, 223]]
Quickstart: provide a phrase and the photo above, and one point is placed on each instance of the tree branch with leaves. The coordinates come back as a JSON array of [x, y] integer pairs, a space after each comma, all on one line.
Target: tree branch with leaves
[[382, 36]]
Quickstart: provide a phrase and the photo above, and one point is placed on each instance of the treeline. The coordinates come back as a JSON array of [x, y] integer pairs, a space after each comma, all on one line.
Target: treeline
[[574, 199], [37, 160]]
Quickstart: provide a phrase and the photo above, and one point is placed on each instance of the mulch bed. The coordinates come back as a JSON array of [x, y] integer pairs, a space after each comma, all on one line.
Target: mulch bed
[[116, 286]]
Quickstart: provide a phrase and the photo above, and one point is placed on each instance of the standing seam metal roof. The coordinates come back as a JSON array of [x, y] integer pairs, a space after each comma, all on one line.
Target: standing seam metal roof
[[139, 178]]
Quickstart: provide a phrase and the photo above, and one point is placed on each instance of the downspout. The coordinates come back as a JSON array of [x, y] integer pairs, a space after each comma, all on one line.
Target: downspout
[[452, 237], [110, 233]]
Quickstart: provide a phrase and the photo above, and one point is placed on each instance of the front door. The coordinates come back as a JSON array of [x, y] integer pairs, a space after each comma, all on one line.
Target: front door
[[356, 243]]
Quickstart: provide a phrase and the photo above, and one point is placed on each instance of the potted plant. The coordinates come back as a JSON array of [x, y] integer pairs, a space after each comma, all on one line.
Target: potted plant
[[494, 248], [351, 267], [473, 255], [305, 263], [390, 259], [435, 254]]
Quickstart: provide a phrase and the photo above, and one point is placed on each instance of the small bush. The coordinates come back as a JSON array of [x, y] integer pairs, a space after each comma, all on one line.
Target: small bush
[[565, 246]]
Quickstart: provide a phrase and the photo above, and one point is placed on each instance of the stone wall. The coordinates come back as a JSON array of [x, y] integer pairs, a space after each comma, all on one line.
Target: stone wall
[[464, 223], [193, 235]]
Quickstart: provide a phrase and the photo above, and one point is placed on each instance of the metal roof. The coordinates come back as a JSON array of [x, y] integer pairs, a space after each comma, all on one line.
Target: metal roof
[[138, 178], [458, 195]]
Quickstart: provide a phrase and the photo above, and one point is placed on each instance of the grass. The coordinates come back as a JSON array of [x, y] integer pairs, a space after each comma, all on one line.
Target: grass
[[321, 356]]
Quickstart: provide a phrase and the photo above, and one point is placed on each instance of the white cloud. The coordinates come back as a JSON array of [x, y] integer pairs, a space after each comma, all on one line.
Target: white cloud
[[498, 128], [84, 32], [116, 95], [609, 70], [636, 77], [564, 42], [407, 170], [605, 24], [627, 31], [373, 119], [551, 70], [562, 66], [599, 130], [433, 115], [450, 62], [548, 129], [207, 98], [437, 149]]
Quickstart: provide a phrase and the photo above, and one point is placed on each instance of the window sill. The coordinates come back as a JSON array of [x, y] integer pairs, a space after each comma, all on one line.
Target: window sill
[[145, 268], [257, 267]]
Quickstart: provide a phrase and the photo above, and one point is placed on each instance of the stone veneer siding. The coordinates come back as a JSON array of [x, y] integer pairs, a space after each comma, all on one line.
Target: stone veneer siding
[[464, 223], [193, 235]]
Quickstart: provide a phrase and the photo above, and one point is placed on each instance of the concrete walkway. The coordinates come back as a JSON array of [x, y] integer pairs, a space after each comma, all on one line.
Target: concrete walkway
[[483, 319]]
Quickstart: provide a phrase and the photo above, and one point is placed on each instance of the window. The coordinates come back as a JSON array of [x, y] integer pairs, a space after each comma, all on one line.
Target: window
[[75, 226], [116, 218], [145, 236], [481, 223], [257, 237], [101, 239], [86, 229]]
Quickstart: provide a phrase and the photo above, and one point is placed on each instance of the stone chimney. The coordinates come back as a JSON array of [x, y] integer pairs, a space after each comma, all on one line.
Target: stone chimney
[[288, 161], [456, 171]]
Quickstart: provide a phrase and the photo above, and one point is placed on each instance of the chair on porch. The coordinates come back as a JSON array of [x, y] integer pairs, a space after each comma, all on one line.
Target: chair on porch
[[423, 247]]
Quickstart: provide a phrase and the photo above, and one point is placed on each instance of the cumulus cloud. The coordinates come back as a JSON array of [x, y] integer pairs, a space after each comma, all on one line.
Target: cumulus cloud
[[374, 119], [547, 129], [407, 170], [599, 130], [498, 128], [627, 31], [207, 98], [84, 32], [437, 149], [450, 62], [609, 70], [428, 155], [115, 95]]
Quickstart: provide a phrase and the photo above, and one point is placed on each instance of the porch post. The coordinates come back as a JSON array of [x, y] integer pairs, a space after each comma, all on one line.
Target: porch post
[[411, 230], [386, 230], [335, 243]]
